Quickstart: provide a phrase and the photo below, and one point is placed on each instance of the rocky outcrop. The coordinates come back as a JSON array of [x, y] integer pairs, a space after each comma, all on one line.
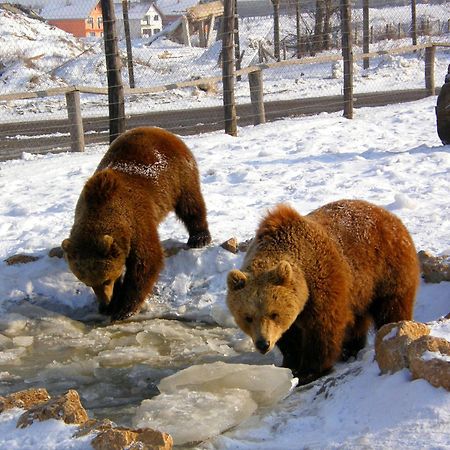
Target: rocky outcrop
[[142, 438], [68, 408], [24, 399], [434, 268], [429, 358], [409, 345], [392, 341]]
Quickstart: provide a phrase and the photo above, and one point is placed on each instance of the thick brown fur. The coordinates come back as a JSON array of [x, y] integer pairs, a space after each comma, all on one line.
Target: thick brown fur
[[443, 114], [312, 285], [114, 245]]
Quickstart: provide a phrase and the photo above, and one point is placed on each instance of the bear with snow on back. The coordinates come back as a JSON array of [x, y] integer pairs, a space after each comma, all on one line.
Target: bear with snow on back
[[114, 245], [312, 285]]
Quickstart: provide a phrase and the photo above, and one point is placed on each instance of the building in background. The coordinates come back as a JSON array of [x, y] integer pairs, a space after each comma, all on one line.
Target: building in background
[[145, 19], [82, 18]]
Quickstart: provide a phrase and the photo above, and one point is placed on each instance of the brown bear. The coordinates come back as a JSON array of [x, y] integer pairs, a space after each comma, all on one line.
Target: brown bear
[[443, 112], [114, 246], [313, 284]]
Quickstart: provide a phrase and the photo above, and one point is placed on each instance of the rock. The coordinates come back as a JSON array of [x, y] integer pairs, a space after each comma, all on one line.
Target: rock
[[153, 440], [434, 268], [141, 439], [172, 247], [114, 439], [230, 245], [20, 258], [66, 407], [392, 341], [24, 399], [429, 358], [56, 252], [243, 246], [92, 426]]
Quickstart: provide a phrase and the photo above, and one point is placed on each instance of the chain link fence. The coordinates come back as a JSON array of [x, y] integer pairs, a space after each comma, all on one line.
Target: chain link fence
[[49, 46]]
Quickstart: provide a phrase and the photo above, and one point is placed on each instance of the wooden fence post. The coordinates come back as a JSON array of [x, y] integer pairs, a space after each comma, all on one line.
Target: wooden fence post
[[413, 22], [75, 121], [366, 36], [113, 65], [430, 53], [126, 29], [347, 54], [228, 71], [256, 96]]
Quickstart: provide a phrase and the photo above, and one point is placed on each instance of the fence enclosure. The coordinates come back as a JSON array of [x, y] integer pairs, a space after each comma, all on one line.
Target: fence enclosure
[[288, 56]]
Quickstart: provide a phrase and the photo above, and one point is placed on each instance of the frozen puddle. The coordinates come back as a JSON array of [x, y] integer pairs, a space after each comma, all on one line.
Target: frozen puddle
[[117, 368]]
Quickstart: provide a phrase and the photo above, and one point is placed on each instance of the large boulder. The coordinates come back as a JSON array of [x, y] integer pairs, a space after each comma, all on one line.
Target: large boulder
[[66, 407], [392, 342], [139, 439], [429, 358], [24, 399], [434, 268]]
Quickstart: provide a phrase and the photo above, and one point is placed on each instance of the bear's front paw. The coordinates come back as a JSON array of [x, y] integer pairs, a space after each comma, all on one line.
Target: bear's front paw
[[199, 239], [121, 315]]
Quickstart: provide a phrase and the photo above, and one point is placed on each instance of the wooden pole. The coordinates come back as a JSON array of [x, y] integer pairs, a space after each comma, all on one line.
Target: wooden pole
[[255, 81], [347, 54], [75, 121], [113, 66], [276, 29], [237, 46], [413, 22], [366, 36], [229, 105], [430, 53], [297, 26], [126, 28]]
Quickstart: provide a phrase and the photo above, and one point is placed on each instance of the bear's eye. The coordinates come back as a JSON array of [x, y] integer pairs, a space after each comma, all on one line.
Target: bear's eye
[[248, 319], [107, 283], [273, 316]]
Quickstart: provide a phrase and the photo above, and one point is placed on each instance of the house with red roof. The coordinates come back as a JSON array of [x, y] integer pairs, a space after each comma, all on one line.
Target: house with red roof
[[82, 18]]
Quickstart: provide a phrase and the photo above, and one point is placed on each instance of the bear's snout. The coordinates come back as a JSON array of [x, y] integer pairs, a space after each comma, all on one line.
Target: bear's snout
[[262, 345]]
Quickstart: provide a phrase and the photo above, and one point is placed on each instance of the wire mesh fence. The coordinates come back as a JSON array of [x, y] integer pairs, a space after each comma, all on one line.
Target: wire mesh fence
[[174, 57]]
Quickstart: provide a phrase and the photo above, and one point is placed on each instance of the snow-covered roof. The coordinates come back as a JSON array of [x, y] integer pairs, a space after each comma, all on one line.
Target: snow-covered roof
[[175, 7], [135, 10], [68, 9]]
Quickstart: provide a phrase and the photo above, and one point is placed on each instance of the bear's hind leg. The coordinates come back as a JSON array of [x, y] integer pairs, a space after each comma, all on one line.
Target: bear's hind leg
[[356, 337], [191, 210], [393, 306]]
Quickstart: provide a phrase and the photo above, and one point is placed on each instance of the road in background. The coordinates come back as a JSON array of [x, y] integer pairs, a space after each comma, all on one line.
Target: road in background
[[46, 136]]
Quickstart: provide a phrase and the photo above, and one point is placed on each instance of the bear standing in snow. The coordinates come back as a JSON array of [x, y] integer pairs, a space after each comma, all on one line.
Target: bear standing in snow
[[114, 245], [313, 284]]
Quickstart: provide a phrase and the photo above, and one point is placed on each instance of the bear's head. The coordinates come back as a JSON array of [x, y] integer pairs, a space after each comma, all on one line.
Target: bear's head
[[266, 304], [98, 262]]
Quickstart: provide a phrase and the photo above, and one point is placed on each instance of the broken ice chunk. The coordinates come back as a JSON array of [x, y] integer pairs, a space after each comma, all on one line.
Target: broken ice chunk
[[193, 416], [205, 400], [267, 384]]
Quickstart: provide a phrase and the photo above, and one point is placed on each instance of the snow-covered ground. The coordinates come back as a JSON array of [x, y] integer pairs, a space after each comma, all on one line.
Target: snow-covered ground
[[50, 334]]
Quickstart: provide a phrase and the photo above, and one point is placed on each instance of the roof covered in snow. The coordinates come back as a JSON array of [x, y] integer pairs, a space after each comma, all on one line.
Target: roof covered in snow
[[135, 10], [68, 9], [175, 7]]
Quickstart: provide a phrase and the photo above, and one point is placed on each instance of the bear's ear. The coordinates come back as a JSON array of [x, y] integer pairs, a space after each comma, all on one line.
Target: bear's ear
[[105, 243], [282, 274], [236, 280], [66, 244]]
